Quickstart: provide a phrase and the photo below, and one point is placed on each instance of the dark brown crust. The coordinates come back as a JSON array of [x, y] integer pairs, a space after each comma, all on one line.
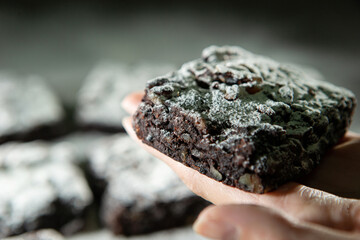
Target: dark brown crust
[[100, 128], [62, 219], [44, 132], [127, 220]]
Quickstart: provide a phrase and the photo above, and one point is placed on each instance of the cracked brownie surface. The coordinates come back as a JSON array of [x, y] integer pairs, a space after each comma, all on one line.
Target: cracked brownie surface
[[141, 193], [40, 187], [243, 119], [29, 109]]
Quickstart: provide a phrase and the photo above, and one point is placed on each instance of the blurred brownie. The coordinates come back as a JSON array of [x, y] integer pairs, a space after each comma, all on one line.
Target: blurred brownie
[[80, 143], [243, 119], [46, 234], [28, 109], [142, 194], [99, 101], [40, 187]]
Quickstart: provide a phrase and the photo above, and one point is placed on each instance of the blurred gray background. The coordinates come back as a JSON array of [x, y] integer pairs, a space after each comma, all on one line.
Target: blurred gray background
[[63, 40]]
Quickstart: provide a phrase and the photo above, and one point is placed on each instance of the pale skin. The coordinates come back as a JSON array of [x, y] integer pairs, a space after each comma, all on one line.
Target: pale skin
[[322, 206]]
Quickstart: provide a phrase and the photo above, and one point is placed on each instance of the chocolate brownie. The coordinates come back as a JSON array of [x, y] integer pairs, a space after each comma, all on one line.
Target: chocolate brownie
[[99, 101], [142, 194], [243, 119], [40, 187], [46, 234], [28, 109]]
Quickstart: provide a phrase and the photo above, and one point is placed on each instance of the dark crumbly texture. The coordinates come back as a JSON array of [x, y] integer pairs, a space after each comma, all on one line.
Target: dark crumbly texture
[[130, 219], [29, 110], [40, 188], [142, 194], [243, 119], [47, 234]]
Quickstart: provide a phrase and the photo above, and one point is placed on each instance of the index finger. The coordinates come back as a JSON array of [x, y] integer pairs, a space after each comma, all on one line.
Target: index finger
[[132, 101]]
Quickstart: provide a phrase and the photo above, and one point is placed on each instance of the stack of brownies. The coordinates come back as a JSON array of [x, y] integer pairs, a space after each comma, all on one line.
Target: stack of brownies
[[64, 170]]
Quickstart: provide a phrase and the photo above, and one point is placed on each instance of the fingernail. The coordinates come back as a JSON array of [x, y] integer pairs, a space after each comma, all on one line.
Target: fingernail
[[216, 229]]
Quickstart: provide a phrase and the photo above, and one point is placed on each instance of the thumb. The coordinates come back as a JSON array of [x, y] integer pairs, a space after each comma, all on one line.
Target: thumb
[[240, 222], [252, 222]]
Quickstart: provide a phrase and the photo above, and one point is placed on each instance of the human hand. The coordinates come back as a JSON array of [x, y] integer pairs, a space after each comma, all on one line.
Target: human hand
[[255, 222], [294, 208]]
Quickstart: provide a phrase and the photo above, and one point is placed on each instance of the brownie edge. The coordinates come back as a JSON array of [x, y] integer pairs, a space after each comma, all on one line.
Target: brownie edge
[[141, 193], [243, 119]]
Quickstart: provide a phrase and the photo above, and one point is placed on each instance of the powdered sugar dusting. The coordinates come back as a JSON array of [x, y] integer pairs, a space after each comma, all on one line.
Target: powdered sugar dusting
[[134, 174], [32, 179], [232, 87], [100, 98], [26, 104]]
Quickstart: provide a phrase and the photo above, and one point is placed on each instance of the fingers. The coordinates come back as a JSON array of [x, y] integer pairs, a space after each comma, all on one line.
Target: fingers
[[293, 199], [254, 222], [349, 136], [250, 222], [339, 170], [132, 101]]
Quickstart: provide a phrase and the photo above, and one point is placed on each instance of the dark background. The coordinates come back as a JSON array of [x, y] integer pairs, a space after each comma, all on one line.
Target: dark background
[[63, 40]]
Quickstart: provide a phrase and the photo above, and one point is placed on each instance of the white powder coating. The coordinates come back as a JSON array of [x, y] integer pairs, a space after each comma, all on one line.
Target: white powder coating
[[81, 143], [232, 87], [32, 177], [26, 104], [16, 155], [133, 174], [269, 119], [106, 86]]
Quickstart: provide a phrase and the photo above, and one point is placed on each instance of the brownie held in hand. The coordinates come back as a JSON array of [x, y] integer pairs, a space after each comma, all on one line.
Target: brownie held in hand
[[243, 119]]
